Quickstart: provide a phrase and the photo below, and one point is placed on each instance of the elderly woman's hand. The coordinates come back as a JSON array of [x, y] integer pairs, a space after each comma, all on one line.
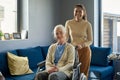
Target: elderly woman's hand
[[53, 69]]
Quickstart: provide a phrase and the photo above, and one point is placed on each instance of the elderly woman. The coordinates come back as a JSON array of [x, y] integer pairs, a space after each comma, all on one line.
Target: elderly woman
[[60, 58]]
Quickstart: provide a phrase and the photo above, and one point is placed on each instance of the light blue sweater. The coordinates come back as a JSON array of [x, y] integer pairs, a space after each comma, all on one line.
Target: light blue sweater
[[58, 53]]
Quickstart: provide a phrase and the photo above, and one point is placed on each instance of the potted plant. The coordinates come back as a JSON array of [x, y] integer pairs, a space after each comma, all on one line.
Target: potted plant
[[1, 34], [114, 56]]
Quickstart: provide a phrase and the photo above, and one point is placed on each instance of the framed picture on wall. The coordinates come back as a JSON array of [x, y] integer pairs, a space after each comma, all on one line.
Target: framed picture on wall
[[7, 36], [17, 35]]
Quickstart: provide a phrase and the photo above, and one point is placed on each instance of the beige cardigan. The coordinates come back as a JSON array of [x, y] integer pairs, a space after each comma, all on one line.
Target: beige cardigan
[[66, 62]]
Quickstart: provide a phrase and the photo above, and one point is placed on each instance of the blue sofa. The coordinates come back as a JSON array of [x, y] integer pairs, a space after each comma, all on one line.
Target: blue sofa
[[35, 55], [100, 68]]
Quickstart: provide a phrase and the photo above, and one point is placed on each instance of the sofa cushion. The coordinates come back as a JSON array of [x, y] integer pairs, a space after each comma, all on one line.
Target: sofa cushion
[[4, 64], [34, 55], [9, 78], [44, 51], [99, 56], [18, 65], [23, 77], [100, 72]]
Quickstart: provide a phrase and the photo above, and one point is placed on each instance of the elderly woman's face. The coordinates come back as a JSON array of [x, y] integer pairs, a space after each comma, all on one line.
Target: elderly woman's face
[[60, 35]]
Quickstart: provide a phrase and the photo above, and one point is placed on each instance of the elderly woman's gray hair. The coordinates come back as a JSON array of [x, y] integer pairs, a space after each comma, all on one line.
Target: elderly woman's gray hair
[[59, 27]]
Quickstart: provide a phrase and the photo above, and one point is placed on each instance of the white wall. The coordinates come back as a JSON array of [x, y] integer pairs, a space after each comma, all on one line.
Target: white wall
[[67, 7], [43, 16]]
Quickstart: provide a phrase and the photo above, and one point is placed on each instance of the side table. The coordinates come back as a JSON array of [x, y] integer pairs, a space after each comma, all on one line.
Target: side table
[[117, 69], [118, 76]]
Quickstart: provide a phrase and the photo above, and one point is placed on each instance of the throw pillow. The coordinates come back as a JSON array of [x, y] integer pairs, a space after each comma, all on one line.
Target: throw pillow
[[18, 65], [99, 56]]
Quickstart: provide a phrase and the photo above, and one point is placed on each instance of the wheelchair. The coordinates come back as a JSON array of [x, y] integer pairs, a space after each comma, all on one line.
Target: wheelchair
[[76, 75]]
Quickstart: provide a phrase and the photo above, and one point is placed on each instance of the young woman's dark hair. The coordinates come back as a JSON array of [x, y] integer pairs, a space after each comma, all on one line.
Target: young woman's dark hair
[[83, 8]]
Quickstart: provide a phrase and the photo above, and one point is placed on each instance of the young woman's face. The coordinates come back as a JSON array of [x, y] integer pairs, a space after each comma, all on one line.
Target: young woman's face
[[78, 12], [60, 35]]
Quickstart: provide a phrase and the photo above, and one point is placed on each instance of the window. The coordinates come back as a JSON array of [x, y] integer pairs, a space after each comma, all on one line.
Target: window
[[8, 16], [14, 18], [110, 36]]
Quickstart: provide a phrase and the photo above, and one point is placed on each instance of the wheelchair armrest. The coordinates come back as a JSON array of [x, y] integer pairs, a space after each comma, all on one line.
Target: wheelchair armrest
[[76, 66], [41, 64], [79, 64]]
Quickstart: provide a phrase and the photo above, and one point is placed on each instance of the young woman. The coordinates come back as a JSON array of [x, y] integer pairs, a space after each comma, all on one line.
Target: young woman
[[80, 32], [60, 58]]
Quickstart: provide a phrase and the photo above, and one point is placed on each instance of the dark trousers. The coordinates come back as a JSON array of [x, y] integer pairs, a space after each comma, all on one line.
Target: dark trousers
[[52, 76]]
